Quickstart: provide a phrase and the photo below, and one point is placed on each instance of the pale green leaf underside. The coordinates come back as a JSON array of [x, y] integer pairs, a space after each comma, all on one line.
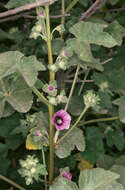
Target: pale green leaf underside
[[121, 171], [74, 60], [14, 61], [116, 30], [17, 94], [82, 49], [74, 139], [8, 62], [29, 67], [96, 179], [63, 184], [87, 33], [92, 33], [112, 186]]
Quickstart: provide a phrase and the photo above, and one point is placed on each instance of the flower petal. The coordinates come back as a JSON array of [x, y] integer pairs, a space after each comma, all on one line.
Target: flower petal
[[66, 118]]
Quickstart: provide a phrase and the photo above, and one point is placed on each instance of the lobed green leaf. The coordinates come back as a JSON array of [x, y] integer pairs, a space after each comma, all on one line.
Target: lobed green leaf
[[63, 184], [96, 179], [92, 33], [74, 139]]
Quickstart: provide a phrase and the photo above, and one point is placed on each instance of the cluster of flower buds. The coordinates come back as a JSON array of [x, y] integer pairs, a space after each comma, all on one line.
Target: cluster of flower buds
[[91, 99], [39, 29], [39, 136], [31, 169], [62, 98], [36, 30], [51, 90], [61, 62]]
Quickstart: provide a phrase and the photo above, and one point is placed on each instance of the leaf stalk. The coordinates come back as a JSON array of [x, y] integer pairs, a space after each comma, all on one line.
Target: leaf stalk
[[74, 125], [44, 163], [39, 95], [72, 88], [11, 182]]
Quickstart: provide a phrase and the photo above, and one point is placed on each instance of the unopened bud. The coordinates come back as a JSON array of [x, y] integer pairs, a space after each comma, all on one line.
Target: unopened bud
[[90, 99]]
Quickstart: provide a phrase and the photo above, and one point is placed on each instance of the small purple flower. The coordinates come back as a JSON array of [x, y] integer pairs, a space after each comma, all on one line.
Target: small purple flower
[[65, 53], [51, 88], [37, 133], [61, 120], [42, 14], [67, 175]]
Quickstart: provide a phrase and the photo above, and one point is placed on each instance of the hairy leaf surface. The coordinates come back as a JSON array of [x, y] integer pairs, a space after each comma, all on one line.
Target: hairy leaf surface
[[17, 94], [96, 179], [74, 139], [63, 184]]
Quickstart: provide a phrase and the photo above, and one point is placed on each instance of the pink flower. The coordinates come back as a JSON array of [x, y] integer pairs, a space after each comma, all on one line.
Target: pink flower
[[42, 14], [61, 120], [65, 54], [37, 133], [50, 88], [67, 175]]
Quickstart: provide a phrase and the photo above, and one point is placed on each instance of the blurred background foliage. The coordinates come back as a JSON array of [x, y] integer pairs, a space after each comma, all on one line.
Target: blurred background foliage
[[105, 140]]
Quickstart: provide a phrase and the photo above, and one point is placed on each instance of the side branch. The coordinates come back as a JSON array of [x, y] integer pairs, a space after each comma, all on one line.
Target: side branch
[[26, 7], [26, 15], [91, 10]]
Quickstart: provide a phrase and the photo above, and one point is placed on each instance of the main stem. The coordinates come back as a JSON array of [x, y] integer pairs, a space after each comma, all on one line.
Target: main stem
[[51, 108], [63, 12]]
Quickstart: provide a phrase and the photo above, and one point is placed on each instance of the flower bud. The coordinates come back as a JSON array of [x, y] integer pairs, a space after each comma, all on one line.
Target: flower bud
[[42, 14], [67, 175], [90, 99], [52, 100], [62, 63], [53, 67], [50, 88], [64, 53], [61, 98], [34, 35], [28, 180], [38, 28]]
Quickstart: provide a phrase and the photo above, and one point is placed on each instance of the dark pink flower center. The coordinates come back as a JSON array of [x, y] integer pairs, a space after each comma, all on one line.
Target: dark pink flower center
[[41, 13], [67, 175], [65, 54], [37, 133], [58, 120], [51, 88]]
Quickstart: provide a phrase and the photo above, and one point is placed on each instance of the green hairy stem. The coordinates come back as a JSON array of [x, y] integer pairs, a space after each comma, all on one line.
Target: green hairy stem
[[51, 108]]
